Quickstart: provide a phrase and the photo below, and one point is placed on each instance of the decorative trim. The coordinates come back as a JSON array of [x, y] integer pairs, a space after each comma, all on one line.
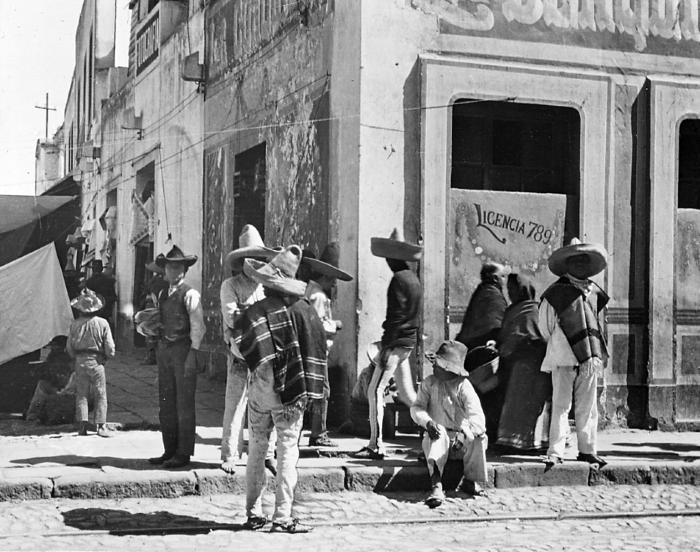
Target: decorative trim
[[621, 315], [687, 317]]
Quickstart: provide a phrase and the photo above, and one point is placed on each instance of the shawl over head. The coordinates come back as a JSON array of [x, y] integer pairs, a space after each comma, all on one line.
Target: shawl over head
[[484, 314], [520, 320]]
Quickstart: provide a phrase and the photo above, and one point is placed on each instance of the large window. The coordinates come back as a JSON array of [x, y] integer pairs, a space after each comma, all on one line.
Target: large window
[[689, 165]]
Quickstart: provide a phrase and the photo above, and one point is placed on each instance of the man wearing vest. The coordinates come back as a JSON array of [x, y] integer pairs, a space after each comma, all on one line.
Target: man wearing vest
[[576, 349], [179, 359]]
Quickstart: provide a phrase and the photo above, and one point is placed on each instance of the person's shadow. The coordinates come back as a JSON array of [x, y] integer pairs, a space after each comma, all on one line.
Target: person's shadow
[[122, 522], [98, 462]]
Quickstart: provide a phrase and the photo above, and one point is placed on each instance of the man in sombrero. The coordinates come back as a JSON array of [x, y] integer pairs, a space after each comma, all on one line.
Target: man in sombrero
[[449, 409], [400, 336], [179, 359], [576, 349], [323, 274], [237, 293], [284, 345]]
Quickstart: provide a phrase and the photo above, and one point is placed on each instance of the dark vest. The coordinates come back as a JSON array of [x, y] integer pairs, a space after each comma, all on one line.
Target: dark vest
[[174, 315]]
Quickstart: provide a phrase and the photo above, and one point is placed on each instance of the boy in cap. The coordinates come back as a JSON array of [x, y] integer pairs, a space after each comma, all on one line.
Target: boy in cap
[[400, 336], [178, 359], [90, 344], [449, 409], [322, 278], [576, 349], [283, 342], [237, 293]]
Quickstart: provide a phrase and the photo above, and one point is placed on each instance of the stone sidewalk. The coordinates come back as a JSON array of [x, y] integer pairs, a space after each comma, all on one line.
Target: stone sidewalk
[[43, 462]]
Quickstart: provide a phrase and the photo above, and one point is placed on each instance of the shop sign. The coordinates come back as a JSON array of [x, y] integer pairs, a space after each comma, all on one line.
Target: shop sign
[[147, 43], [653, 26], [519, 230]]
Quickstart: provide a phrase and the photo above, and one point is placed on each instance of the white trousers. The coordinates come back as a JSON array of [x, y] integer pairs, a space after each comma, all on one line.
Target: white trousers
[[472, 454], [264, 414], [567, 381], [397, 363], [235, 405]]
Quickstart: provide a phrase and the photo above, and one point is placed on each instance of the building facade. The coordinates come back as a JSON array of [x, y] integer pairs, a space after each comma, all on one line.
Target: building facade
[[484, 131]]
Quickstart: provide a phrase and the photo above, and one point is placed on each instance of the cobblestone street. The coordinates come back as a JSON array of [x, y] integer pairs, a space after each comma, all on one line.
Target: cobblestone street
[[616, 518]]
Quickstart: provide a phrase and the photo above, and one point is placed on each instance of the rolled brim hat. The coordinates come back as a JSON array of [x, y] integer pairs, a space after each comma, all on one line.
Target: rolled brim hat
[[450, 357], [250, 245], [373, 350], [88, 302], [394, 247], [279, 273], [175, 255], [596, 253], [320, 267]]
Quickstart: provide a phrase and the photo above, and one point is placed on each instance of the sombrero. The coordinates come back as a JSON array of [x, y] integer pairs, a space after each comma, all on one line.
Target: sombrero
[[148, 322], [175, 255], [394, 247], [327, 264], [279, 274], [596, 253], [250, 244], [88, 301], [450, 357]]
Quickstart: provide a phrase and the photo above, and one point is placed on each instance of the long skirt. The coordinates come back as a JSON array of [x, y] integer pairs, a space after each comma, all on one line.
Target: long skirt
[[524, 421]]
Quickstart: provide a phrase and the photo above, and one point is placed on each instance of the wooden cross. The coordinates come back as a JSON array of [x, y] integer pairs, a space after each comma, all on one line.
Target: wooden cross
[[47, 109]]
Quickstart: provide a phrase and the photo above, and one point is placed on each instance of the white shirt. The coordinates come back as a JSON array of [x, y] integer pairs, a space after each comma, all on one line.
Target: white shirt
[[452, 404], [237, 293], [322, 305], [193, 305]]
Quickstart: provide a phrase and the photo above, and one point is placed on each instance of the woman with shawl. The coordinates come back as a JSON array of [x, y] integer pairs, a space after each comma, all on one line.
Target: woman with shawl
[[524, 421]]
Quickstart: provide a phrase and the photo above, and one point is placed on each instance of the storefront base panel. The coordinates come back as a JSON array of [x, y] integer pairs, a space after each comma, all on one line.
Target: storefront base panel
[[626, 406]]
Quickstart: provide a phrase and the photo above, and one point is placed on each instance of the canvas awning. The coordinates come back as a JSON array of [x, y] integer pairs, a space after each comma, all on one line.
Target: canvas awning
[[17, 211]]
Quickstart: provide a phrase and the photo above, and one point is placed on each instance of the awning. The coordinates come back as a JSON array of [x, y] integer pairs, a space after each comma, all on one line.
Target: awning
[[17, 211]]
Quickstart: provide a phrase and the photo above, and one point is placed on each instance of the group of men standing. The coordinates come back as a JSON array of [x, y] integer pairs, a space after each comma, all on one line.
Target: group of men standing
[[278, 328]]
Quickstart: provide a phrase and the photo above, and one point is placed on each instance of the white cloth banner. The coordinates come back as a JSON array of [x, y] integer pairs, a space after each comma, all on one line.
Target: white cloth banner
[[34, 303]]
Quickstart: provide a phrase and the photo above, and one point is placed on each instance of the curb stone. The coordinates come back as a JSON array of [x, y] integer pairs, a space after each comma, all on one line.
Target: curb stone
[[155, 484], [25, 488]]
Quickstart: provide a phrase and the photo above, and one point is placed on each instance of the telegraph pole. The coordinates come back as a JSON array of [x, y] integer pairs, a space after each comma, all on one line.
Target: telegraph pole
[[46, 108]]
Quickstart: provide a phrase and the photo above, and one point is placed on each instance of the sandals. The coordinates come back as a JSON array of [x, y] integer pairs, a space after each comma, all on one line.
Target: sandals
[[292, 527], [255, 523], [435, 498], [368, 453], [592, 459]]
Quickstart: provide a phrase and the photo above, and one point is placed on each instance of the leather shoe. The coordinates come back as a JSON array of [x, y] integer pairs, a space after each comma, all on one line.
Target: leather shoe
[[294, 526], [157, 460], [176, 462], [591, 459]]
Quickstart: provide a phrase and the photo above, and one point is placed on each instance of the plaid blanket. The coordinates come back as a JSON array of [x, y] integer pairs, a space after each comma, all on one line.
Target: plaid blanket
[[291, 341]]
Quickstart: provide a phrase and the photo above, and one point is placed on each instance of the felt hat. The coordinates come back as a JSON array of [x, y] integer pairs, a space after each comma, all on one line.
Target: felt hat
[[394, 247], [153, 267], [450, 357], [88, 301], [279, 274], [148, 322], [250, 244], [327, 264], [175, 255], [596, 253]]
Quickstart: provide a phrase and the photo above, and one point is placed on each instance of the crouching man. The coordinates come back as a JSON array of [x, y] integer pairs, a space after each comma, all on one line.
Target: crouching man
[[449, 409]]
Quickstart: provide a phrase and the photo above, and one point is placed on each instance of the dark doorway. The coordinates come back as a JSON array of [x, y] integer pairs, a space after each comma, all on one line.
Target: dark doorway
[[689, 164], [503, 146], [249, 190]]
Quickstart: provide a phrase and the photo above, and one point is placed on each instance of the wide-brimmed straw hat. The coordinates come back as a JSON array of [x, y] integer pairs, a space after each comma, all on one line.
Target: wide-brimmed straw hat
[[279, 274], [394, 247], [175, 255], [153, 267], [250, 244], [148, 322], [88, 302], [596, 253], [327, 264], [450, 357]]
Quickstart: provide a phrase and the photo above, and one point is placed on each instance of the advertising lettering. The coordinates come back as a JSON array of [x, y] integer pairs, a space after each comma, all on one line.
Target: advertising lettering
[[619, 24], [147, 44]]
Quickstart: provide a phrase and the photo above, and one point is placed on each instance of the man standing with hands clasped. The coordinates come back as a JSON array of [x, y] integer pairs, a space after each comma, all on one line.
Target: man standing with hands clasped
[[576, 349], [179, 359]]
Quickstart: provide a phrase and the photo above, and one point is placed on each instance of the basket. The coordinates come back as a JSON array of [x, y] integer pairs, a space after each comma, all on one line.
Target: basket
[[482, 365]]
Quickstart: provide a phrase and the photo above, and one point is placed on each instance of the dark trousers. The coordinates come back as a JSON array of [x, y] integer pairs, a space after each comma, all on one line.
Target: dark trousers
[[319, 410], [176, 392]]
